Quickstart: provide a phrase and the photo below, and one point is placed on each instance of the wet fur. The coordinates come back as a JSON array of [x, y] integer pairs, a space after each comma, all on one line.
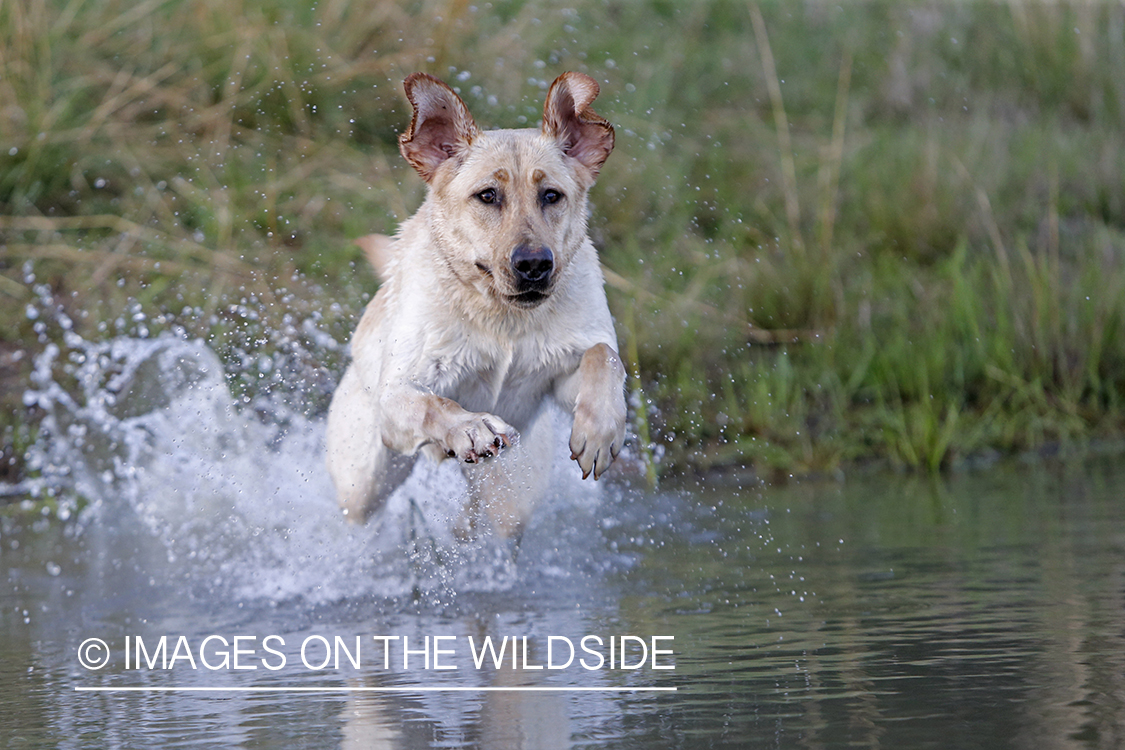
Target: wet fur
[[468, 336]]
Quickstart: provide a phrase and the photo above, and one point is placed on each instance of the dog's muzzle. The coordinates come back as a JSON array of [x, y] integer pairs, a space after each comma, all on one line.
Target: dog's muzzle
[[532, 268]]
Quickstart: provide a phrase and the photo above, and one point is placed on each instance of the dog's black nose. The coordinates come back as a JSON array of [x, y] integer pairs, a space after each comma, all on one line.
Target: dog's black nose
[[532, 267]]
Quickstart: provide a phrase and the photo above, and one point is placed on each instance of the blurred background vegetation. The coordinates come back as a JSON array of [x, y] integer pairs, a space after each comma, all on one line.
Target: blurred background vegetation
[[881, 232]]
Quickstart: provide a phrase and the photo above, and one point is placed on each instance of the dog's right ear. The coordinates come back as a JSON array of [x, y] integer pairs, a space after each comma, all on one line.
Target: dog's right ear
[[441, 127]]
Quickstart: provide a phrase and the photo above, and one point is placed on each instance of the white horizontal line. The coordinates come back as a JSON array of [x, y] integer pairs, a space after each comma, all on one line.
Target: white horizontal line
[[396, 689]]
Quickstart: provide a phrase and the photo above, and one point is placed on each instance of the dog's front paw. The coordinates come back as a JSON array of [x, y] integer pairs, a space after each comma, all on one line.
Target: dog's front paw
[[477, 436], [597, 437]]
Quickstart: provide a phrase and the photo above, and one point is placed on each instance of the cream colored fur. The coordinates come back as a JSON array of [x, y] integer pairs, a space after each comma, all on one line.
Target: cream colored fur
[[465, 340]]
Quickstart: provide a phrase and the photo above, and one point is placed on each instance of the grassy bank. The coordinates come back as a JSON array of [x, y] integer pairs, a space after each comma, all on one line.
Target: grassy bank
[[833, 235]]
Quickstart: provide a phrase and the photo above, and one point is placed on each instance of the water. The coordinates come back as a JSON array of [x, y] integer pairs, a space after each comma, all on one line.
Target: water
[[986, 610]]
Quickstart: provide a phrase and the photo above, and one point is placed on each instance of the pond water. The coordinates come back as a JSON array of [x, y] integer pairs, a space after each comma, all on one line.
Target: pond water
[[983, 610]]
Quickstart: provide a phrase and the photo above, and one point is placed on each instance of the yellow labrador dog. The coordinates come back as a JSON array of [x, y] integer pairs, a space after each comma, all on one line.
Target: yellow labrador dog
[[492, 301]]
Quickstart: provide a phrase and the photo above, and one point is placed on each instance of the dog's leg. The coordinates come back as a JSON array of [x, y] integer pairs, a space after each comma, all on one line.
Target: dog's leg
[[595, 393], [507, 490], [364, 471], [411, 419]]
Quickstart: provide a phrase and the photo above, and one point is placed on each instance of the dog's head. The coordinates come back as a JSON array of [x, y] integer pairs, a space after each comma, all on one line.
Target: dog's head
[[508, 206]]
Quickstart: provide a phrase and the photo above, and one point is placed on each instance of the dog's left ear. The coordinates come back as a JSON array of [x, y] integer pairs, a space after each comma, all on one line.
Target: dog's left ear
[[567, 117], [441, 127]]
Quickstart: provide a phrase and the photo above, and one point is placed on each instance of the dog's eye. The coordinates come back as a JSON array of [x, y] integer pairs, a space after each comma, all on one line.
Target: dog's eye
[[488, 196], [551, 196]]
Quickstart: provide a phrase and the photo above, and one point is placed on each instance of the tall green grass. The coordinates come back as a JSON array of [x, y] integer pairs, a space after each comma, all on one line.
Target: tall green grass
[[833, 234]]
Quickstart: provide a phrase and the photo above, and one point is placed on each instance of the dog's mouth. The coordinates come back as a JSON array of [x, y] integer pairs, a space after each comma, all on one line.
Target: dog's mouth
[[525, 299], [529, 299]]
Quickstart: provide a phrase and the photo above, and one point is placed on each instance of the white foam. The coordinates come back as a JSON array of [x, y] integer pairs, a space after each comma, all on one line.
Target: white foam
[[237, 494]]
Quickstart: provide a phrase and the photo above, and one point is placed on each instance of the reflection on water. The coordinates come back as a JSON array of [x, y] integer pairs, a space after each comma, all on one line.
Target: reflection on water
[[980, 611]]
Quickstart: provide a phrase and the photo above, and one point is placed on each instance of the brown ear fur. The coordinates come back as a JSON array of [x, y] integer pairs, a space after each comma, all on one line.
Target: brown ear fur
[[567, 116], [440, 128]]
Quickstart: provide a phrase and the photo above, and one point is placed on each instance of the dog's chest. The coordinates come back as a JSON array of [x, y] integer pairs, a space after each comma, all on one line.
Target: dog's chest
[[506, 380]]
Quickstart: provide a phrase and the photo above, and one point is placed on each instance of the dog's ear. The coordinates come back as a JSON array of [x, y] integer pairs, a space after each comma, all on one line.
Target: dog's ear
[[567, 117], [441, 127]]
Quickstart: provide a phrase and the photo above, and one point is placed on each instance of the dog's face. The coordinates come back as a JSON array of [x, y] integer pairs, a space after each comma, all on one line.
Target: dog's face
[[508, 206]]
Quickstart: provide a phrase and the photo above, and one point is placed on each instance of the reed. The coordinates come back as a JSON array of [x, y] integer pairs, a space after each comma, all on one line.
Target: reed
[[880, 232]]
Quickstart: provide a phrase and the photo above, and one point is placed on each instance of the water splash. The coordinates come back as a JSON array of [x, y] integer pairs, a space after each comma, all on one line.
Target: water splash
[[233, 492]]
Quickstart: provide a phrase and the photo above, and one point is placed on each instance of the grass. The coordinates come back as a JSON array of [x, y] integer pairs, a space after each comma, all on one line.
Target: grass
[[834, 235]]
